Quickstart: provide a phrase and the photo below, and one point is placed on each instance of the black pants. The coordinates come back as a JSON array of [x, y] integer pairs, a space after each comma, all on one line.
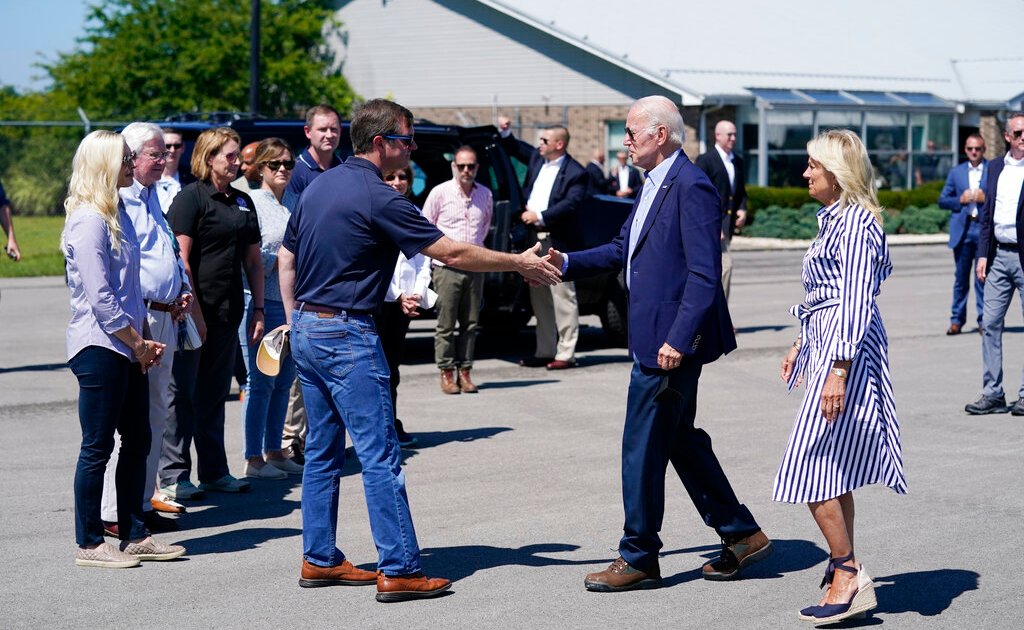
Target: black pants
[[392, 326]]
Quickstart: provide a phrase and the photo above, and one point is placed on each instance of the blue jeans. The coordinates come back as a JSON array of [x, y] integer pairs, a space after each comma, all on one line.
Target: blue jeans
[[964, 255], [113, 394], [1004, 278], [345, 385], [266, 397]]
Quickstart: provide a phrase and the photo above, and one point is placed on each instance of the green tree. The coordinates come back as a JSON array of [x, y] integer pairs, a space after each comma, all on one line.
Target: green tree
[[147, 59], [150, 58]]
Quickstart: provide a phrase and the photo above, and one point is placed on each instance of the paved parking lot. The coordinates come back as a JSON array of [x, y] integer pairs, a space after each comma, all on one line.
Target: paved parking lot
[[515, 491]]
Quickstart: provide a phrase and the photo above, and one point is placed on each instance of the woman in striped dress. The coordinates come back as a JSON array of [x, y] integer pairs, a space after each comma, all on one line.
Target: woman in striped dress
[[846, 434]]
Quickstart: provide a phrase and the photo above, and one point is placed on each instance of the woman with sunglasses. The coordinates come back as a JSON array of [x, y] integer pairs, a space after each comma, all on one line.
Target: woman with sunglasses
[[405, 295], [108, 352], [266, 397]]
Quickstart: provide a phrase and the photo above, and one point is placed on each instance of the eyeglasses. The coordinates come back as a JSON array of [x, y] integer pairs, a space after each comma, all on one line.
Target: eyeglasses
[[399, 176], [543, 140], [407, 141], [632, 134], [174, 146], [1017, 133], [974, 148], [156, 157], [466, 167], [128, 159], [274, 165]]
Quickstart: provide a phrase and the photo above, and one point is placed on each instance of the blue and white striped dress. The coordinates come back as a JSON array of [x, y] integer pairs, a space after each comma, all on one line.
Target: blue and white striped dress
[[843, 271]]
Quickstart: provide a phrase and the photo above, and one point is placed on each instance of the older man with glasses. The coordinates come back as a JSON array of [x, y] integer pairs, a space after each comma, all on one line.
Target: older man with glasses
[[167, 293], [462, 209], [963, 195], [1000, 266]]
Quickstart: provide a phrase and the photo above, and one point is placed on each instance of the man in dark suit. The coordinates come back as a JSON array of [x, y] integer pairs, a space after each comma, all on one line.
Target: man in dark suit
[[1001, 266], [626, 179], [963, 195], [725, 170], [555, 188], [600, 184], [678, 321]]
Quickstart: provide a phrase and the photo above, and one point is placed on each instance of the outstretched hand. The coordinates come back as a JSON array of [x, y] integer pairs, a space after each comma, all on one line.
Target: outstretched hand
[[537, 271], [556, 258]]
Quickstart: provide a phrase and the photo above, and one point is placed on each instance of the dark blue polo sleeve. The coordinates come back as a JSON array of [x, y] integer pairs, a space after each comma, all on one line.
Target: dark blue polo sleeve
[[3, 196], [403, 223]]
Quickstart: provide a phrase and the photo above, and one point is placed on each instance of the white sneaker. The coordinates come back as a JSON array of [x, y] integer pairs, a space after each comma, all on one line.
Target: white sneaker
[[227, 483], [266, 471], [183, 490], [287, 465]]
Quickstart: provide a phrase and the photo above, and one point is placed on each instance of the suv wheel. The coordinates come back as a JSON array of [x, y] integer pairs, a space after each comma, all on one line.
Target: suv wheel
[[614, 316]]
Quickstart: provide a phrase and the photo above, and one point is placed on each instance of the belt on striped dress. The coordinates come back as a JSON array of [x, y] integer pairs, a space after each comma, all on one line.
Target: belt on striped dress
[[804, 312]]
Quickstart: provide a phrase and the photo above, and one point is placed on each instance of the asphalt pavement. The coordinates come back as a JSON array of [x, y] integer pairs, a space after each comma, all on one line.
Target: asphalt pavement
[[515, 491]]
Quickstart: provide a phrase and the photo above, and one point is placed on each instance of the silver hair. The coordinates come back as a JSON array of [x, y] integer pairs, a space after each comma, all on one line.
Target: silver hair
[[662, 111], [139, 133]]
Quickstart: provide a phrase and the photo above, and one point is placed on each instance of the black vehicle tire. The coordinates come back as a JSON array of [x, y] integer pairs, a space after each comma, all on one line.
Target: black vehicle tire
[[614, 319]]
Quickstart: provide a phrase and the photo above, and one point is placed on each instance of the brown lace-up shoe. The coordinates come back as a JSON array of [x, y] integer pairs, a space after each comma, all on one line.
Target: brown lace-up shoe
[[736, 555], [400, 588], [622, 577], [344, 574], [465, 383], [448, 383]]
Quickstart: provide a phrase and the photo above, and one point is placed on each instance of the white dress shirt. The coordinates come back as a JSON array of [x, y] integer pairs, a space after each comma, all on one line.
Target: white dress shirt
[[540, 195], [1008, 189], [166, 189], [730, 168], [974, 174]]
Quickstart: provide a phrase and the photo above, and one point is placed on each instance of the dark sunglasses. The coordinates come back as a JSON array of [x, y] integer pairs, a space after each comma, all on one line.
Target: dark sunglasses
[[128, 159], [172, 146], [466, 167], [400, 176], [276, 164], [974, 148], [405, 140], [1016, 134]]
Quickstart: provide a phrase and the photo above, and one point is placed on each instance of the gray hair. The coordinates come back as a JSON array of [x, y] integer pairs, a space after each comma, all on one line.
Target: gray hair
[[139, 133], [662, 111]]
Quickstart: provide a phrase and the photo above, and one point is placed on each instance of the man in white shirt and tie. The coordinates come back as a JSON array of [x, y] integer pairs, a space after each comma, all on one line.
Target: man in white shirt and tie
[[725, 170]]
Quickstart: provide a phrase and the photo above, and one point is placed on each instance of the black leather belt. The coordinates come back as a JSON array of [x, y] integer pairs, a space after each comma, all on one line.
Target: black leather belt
[[1008, 247], [159, 306], [327, 311]]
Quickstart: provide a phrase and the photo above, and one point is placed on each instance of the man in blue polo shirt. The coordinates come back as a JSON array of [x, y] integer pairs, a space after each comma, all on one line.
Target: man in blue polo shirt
[[335, 264], [323, 129]]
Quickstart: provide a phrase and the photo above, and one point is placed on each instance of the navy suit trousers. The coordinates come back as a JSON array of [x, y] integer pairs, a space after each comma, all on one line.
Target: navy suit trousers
[[660, 411], [965, 256]]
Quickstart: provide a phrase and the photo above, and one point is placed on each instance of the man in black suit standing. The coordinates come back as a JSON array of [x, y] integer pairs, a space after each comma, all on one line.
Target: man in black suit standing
[[555, 188], [626, 179], [725, 170], [600, 184]]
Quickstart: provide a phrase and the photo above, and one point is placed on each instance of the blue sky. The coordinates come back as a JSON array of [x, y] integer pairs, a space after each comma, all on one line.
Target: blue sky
[[34, 27]]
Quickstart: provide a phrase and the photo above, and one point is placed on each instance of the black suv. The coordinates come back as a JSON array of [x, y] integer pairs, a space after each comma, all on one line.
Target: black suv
[[506, 304]]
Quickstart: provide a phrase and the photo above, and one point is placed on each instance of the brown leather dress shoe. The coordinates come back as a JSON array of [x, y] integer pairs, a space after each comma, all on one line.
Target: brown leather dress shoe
[[559, 364], [736, 555], [466, 384], [621, 577], [400, 588], [954, 329], [448, 383], [344, 574]]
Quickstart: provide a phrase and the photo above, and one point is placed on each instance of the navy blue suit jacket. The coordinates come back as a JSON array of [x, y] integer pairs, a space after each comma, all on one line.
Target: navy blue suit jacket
[[987, 242], [561, 219], [675, 288], [956, 183], [634, 181]]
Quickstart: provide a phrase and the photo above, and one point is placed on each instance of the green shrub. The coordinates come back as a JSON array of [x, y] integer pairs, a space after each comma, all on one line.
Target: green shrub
[[762, 197], [781, 222], [929, 219]]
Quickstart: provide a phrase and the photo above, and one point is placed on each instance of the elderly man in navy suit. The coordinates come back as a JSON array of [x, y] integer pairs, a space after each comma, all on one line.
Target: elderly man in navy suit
[[678, 321], [963, 195]]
